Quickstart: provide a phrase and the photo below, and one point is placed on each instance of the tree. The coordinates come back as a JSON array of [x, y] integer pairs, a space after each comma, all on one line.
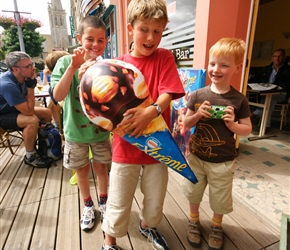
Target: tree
[[2, 55], [32, 41]]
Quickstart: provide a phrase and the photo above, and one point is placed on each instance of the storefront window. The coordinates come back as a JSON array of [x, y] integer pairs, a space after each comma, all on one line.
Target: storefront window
[[178, 36], [180, 12]]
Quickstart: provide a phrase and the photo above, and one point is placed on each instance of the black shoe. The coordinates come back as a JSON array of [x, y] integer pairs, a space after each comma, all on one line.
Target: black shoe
[[154, 238], [36, 161]]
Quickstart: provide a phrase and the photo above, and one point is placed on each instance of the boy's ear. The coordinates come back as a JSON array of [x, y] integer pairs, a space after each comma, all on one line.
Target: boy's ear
[[238, 67], [130, 28], [79, 38]]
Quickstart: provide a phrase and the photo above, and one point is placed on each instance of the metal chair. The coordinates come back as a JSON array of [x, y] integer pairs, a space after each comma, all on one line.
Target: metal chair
[[282, 107], [5, 137]]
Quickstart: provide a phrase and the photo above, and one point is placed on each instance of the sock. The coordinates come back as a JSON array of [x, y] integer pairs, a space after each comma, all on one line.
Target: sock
[[216, 222], [103, 198], [194, 217], [29, 154], [88, 202]]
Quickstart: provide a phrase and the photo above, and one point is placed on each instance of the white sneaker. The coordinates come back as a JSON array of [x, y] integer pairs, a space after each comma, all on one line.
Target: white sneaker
[[102, 209], [88, 219]]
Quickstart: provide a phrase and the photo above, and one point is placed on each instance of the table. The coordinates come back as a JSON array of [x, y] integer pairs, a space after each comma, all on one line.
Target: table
[[268, 97], [42, 94]]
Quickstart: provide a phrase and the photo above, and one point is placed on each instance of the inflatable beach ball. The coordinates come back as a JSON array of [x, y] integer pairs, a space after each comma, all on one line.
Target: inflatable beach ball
[[108, 88]]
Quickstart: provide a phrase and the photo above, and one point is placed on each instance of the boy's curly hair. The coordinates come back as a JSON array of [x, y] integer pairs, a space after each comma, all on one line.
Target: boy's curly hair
[[147, 9]]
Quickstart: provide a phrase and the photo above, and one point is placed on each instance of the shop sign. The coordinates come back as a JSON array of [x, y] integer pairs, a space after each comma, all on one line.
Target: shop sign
[[72, 26], [181, 54]]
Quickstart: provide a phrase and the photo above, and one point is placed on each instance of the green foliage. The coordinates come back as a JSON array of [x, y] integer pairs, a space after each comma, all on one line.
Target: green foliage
[[2, 55], [32, 41]]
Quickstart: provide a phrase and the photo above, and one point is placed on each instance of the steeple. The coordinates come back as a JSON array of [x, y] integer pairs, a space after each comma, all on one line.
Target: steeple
[[58, 26]]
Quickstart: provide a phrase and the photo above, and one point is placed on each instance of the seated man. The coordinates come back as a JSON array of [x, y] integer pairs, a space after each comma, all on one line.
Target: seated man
[[278, 73], [17, 110]]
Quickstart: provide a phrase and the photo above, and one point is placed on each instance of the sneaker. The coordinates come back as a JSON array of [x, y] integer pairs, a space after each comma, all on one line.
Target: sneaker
[[108, 247], [102, 209], [36, 161], [193, 234], [154, 238], [88, 218], [215, 241]]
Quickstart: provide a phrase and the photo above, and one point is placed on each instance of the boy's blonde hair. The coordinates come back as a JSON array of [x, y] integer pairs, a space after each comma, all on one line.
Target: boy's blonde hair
[[229, 46], [147, 9], [51, 59]]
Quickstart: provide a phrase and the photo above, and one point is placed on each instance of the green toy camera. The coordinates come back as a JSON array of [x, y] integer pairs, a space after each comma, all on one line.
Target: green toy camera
[[217, 111]]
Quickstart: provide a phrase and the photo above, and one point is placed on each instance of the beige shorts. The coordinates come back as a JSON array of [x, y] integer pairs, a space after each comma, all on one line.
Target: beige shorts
[[218, 176], [76, 155]]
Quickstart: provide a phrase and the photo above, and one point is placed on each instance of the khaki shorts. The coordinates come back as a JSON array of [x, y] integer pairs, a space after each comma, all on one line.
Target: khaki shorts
[[218, 176], [76, 155]]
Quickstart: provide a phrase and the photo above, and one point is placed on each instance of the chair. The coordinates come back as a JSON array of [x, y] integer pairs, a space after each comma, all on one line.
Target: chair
[[5, 137], [282, 107]]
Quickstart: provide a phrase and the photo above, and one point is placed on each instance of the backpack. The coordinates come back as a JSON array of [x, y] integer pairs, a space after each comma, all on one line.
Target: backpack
[[48, 143]]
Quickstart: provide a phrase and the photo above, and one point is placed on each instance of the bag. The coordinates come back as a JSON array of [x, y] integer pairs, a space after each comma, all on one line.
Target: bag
[[48, 144]]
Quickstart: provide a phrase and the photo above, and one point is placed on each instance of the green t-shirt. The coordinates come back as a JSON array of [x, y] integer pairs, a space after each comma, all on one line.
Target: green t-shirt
[[77, 127]]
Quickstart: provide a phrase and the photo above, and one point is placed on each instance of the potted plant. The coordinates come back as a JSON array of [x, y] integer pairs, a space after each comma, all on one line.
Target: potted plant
[[6, 22], [30, 23]]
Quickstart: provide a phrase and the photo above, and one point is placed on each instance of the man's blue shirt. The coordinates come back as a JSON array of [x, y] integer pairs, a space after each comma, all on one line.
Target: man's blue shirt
[[11, 93]]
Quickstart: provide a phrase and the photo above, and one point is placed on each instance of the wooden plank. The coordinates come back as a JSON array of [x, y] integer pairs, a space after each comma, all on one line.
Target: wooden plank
[[137, 240], [17, 188], [5, 157], [95, 236], [7, 217], [178, 221], [68, 231], [8, 174], [35, 186], [53, 183], [46, 225], [164, 226], [22, 229], [44, 234]]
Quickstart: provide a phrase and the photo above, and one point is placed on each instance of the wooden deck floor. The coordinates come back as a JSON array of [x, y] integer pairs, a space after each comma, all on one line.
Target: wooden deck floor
[[40, 209]]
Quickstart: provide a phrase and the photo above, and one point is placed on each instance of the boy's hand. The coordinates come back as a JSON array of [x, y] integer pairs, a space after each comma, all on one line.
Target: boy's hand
[[46, 71], [229, 116], [136, 120], [85, 66], [78, 57], [202, 111]]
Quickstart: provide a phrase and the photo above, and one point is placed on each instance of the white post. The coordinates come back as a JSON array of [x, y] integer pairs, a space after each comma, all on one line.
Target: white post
[[20, 35]]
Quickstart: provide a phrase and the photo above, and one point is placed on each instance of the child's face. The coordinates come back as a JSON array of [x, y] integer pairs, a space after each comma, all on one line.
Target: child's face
[[94, 41], [221, 69], [147, 35]]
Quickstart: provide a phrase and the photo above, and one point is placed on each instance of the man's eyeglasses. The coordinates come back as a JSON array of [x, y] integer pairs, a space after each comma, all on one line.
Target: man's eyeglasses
[[28, 66]]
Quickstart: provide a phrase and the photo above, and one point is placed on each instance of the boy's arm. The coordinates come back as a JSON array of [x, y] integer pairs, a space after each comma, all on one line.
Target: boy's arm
[[62, 88], [192, 117], [243, 127], [137, 119]]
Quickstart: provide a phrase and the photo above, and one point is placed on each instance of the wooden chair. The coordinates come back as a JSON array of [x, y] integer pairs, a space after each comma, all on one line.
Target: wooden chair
[[282, 107], [5, 138]]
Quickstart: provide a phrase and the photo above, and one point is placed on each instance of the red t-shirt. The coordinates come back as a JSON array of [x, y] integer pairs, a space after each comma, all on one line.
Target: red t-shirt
[[161, 76]]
